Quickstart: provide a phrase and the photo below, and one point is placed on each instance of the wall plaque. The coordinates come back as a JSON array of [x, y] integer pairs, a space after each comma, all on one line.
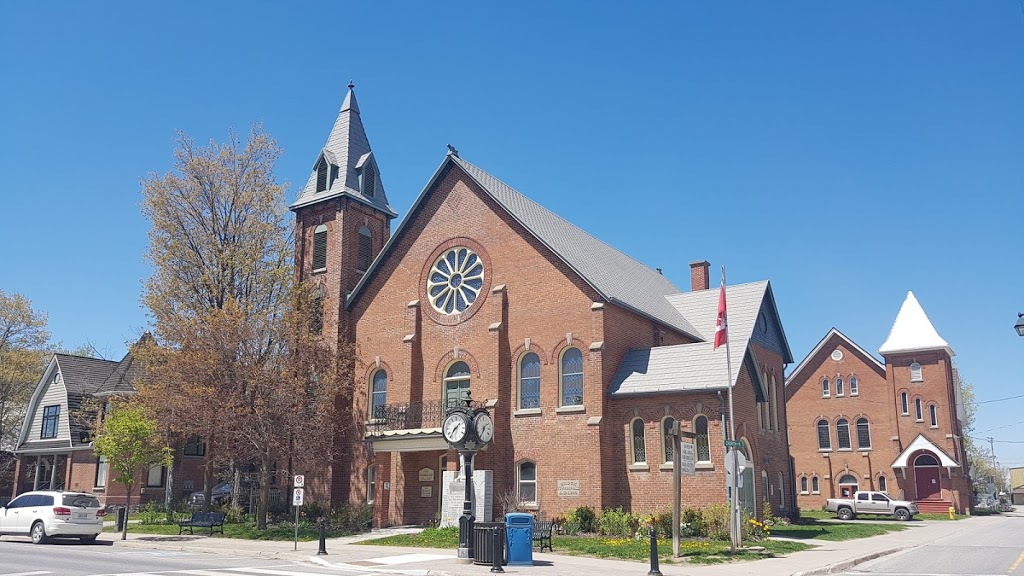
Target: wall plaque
[[426, 491], [426, 475], [568, 488]]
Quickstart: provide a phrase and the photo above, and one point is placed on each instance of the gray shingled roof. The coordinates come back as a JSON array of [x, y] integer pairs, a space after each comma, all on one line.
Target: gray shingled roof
[[84, 375], [346, 145], [120, 380], [696, 366]]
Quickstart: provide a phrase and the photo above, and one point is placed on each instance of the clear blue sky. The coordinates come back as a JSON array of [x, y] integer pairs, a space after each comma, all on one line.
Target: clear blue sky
[[848, 153]]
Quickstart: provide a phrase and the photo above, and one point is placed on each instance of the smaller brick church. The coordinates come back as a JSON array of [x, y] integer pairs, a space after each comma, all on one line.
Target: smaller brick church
[[894, 425]]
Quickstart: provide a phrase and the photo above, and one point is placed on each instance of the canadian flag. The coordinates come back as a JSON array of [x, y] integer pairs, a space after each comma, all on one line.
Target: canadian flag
[[722, 322]]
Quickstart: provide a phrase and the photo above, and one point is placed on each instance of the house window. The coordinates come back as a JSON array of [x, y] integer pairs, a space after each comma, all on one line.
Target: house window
[[572, 377], [933, 415], [529, 381], [700, 427], [668, 444], [379, 394], [321, 175], [803, 484], [917, 410], [904, 403], [854, 386], [101, 471], [155, 478], [456, 384], [882, 484], [527, 483], [371, 483], [814, 485], [839, 387], [824, 438], [638, 441], [915, 373], [51, 415], [195, 446], [320, 248], [843, 433], [863, 434], [825, 391], [365, 250]]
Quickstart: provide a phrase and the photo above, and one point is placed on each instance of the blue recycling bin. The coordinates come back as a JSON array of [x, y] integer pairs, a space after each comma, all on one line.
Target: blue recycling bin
[[519, 538]]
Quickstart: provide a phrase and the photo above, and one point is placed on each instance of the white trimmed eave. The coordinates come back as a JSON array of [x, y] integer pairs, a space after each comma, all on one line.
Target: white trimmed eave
[[893, 351], [58, 450], [922, 443], [37, 394], [412, 440]]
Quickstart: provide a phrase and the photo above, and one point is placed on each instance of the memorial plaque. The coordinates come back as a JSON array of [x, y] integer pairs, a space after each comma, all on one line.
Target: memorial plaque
[[426, 491], [453, 494], [426, 475], [568, 488]]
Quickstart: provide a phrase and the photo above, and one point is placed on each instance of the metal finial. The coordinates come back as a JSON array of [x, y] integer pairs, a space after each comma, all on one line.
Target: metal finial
[[351, 84], [453, 151]]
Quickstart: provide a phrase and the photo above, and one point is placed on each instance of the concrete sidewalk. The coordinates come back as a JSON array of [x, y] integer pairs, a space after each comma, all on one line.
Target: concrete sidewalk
[[825, 558]]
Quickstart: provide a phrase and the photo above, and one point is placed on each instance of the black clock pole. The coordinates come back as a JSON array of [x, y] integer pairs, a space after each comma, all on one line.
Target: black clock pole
[[466, 520]]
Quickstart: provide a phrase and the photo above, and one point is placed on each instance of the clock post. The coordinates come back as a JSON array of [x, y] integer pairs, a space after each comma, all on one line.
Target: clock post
[[467, 430]]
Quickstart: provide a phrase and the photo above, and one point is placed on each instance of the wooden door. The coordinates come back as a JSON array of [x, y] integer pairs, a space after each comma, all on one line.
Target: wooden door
[[926, 476]]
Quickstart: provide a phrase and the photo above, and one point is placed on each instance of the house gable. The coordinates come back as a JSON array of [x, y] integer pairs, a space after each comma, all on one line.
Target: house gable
[[50, 391]]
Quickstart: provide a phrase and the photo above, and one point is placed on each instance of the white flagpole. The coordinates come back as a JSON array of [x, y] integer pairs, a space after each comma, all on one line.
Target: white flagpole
[[735, 529]]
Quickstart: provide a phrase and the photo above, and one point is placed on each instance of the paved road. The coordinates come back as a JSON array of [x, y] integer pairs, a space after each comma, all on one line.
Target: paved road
[[19, 557], [993, 548]]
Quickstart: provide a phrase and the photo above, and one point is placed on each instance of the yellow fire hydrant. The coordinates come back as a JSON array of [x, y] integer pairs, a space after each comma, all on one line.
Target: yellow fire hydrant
[[952, 513]]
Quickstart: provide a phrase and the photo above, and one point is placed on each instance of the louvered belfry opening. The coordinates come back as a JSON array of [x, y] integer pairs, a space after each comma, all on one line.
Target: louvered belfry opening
[[365, 249], [321, 175], [369, 181], [320, 248]]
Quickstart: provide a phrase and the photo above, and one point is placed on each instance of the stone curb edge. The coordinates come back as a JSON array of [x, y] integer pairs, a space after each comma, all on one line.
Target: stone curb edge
[[847, 564]]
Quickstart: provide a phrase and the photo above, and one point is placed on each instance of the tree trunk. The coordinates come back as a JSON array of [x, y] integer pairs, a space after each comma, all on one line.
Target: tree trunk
[[208, 479], [169, 492], [263, 507], [127, 507]]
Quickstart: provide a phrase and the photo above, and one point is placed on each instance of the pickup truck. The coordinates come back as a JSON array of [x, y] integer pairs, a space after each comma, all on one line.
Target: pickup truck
[[871, 503]]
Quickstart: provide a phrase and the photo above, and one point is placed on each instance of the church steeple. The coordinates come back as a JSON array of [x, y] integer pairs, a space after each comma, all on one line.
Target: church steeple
[[346, 166]]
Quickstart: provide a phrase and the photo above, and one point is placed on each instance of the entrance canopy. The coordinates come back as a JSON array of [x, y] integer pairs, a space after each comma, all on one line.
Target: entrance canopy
[[412, 440], [922, 443]]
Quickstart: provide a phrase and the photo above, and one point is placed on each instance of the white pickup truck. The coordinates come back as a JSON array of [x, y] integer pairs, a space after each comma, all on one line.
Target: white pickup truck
[[871, 503]]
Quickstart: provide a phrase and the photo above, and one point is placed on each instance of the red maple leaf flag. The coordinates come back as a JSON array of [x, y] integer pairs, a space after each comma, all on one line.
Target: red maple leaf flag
[[722, 322]]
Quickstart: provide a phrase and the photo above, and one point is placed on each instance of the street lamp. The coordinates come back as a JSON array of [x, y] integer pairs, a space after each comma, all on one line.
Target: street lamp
[[1019, 326]]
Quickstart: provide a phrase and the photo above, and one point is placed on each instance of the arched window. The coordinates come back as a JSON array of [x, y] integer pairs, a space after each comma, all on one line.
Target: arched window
[[365, 250], [824, 437], [320, 248], [638, 441], [839, 387], [321, 175], [882, 484], [775, 404], [456, 384], [782, 491], [526, 482], [572, 377], [766, 489], [667, 443], [915, 373], [529, 381], [904, 404], [863, 434], [379, 394], [825, 390], [933, 415], [371, 483], [803, 484], [854, 386], [917, 410], [843, 434], [814, 485], [703, 447]]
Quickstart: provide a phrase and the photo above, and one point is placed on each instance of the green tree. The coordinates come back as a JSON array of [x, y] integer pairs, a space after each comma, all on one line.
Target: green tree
[[23, 340], [981, 461], [129, 440]]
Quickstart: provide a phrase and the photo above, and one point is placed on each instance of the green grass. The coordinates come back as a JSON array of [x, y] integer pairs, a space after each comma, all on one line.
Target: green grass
[[695, 551], [245, 531], [808, 528], [823, 515]]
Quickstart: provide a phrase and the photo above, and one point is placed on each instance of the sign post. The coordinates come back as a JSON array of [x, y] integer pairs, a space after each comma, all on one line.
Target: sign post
[[297, 495]]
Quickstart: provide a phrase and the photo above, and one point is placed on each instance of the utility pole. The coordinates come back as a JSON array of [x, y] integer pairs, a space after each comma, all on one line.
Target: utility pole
[[992, 450]]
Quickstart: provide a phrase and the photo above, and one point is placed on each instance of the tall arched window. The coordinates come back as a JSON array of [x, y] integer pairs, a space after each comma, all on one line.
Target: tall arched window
[[526, 482], [843, 434], [321, 175], [825, 390], [638, 441], [766, 488], [863, 434], [883, 486], [702, 441], [918, 413], [775, 404], [456, 384], [839, 387], [915, 373], [803, 484], [365, 250], [667, 443], [379, 394], [824, 436], [529, 381], [572, 377], [904, 404], [782, 491], [854, 386], [371, 483], [933, 415], [814, 485], [320, 248]]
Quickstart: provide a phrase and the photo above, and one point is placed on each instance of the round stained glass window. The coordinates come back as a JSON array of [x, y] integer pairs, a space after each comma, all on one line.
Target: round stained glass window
[[455, 280]]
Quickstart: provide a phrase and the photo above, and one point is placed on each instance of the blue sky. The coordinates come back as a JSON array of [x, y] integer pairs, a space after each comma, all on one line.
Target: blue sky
[[847, 152]]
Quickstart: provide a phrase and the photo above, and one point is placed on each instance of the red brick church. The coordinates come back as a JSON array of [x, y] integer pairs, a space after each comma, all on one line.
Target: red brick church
[[583, 355]]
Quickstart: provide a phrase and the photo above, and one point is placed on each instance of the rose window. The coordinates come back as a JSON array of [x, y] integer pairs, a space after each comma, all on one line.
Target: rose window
[[455, 281]]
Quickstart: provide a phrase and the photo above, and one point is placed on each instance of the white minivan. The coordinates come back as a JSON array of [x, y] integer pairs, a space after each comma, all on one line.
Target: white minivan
[[42, 515]]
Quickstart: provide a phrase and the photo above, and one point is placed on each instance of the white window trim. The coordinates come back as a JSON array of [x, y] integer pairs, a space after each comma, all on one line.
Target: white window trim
[[933, 415], [815, 490], [519, 482], [902, 404], [916, 375], [854, 389], [826, 388], [632, 443], [839, 387]]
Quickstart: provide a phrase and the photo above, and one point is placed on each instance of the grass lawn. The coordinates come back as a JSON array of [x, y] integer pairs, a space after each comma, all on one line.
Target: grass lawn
[[694, 551], [812, 528], [823, 515], [245, 531]]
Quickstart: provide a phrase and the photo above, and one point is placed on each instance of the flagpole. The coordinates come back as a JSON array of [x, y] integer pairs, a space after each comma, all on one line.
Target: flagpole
[[735, 530]]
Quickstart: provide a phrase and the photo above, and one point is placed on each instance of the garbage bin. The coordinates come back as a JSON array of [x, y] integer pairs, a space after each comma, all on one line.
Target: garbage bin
[[483, 542], [519, 538], [122, 517]]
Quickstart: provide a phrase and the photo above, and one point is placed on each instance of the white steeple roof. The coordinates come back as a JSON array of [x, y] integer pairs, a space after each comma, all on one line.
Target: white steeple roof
[[912, 331]]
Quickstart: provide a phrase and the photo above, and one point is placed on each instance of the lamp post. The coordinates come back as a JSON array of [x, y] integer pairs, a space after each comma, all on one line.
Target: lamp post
[[1019, 326]]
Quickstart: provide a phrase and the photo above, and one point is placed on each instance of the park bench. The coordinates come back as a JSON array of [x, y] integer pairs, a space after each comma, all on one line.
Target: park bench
[[542, 534], [209, 520]]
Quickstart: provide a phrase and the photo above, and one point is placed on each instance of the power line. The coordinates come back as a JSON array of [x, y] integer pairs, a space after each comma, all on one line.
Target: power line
[[1001, 399], [1001, 427]]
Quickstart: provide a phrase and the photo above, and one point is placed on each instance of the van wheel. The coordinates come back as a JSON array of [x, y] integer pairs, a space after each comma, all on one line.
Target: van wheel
[[845, 513], [901, 514], [38, 533], [88, 539]]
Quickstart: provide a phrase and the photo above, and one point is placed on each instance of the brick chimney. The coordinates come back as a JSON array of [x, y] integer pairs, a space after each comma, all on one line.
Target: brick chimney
[[699, 279]]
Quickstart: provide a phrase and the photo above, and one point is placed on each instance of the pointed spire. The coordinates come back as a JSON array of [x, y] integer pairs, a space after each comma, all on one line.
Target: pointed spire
[[913, 331], [350, 99]]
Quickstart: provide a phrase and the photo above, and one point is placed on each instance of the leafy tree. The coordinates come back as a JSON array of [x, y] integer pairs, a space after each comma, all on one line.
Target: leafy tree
[[980, 460], [129, 440], [23, 339]]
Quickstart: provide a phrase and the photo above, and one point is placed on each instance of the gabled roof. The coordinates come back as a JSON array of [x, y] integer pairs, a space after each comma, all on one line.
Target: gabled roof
[[120, 380], [83, 375], [834, 332], [346, 145], [618, 278], [913, 331], [922, 443]]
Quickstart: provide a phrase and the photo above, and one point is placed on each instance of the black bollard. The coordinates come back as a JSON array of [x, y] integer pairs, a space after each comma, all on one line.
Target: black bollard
[[654, 571], [323, 537], [496, 551]]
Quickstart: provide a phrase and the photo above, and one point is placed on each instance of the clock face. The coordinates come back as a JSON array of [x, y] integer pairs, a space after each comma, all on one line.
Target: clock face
[[484, 428], [455, 428]]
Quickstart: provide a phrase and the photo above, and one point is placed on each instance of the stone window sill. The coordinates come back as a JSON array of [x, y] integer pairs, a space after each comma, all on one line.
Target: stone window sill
[[667, 467], [704, 466], [570, 409], [319, 271], [527, 412], [639, 467]]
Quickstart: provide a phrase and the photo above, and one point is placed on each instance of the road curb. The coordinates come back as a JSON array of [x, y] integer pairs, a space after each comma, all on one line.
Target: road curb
[[847, 564]]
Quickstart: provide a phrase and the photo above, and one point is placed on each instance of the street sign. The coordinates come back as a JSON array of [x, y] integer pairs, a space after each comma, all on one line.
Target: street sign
[[297, 495], [300, 480], [689, 457], [739, 459], [734, 444]]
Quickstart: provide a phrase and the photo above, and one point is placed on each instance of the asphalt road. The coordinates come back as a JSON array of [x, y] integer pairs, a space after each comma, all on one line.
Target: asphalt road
[[994, 548], [19, 557]]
